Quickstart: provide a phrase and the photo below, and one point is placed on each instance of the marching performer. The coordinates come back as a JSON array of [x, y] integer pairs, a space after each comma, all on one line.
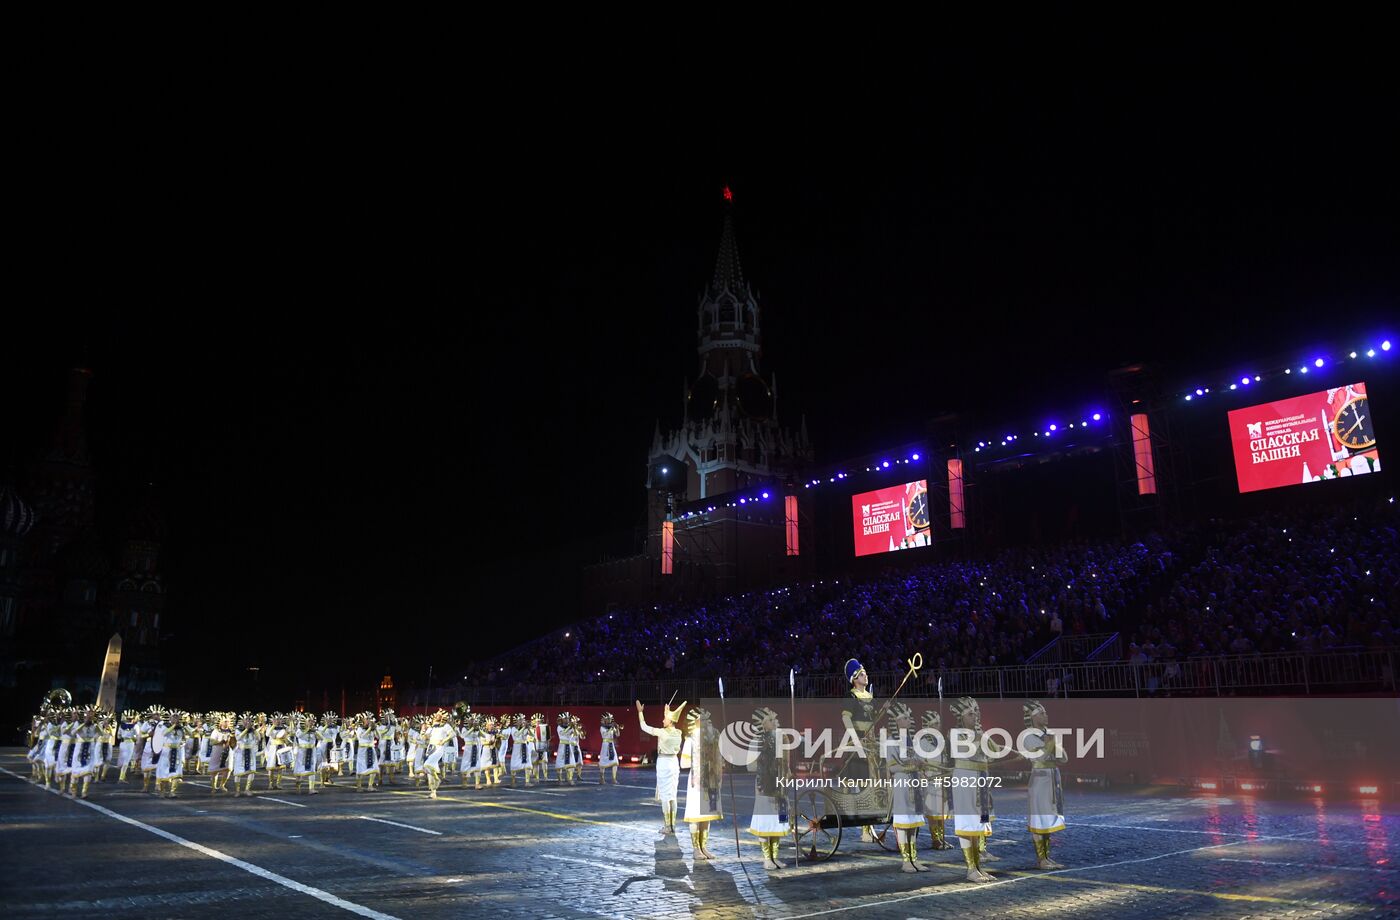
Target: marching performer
[[38, 740], [417, 748], [245, 754], [170, 769], [126, 743], [1045, 795], [567, 761], [305, 741], [503, 742], [106, 756], [53, 743], [366, 752], [488, 757], [905, 766], [65, 748], [972, 795], [668, 771], [86, 739], [607, 750], [204, 727], [858, 716], [938, 793], [438, 738], [147, 743], [277, 754], [539, 732], [469, 766], [770, 818], [328, 748], [521, 749], [700, 752], [220, 761]]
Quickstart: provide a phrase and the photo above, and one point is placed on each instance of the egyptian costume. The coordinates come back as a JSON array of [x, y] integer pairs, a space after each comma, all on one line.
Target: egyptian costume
[[437, 741], [245, 755], [328, 748], [220, 759], [366, 751], [938, 794], [86, 742], [1044, 791], [470, 734], [700, 753], [607, 746], [539, 728], [972, 794], [770, 815], [905, 767], [858, 714], [668, 770], [170, 769], [568, 760], [521, 749], [304, 755]]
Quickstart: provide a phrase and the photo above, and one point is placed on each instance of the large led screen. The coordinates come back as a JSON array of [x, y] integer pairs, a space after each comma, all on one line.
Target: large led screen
[[891, 519], [1324, 435]]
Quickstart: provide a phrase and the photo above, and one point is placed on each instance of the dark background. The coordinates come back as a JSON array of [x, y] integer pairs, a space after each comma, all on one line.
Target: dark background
[[392, 349]]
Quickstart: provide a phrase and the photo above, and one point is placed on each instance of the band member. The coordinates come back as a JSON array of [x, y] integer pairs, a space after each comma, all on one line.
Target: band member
[[938, 794], [245, 754], [1045, 794], [702, 789], [65, 748], [366, 752], [436, 742], [470, 765], [858, 716], [146, 744], [972, 794], [170, 769], [86, 741], [668, 770], [521, 749], [607, 749], [567, 761], [905, 766], [204, 727], [53, 743], [539, 729], [220, 759], [107, 750], [417, 748], [304, 741], [328, 748], [770, 818], [277, 753], [489, 752]]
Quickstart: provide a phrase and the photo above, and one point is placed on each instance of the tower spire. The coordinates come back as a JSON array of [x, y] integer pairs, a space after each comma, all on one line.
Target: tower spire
[[729, 274]]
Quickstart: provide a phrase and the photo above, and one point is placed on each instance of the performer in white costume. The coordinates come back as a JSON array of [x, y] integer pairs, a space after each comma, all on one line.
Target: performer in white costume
[[668, 769], [770, 815], [607, 749], [1044, 793]]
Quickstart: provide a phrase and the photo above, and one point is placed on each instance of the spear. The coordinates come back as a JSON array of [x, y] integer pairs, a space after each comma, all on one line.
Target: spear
[[792, 710], [734, 814]]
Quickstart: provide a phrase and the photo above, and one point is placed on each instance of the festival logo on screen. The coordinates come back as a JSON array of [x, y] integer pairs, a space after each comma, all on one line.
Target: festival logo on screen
[[891, 519], [1324, 435]]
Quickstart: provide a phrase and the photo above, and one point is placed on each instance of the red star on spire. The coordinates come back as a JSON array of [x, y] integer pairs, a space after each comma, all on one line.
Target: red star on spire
[[728, 195]]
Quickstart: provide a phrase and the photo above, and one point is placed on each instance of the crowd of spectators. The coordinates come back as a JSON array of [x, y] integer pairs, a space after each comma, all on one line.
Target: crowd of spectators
[[1307, 581]]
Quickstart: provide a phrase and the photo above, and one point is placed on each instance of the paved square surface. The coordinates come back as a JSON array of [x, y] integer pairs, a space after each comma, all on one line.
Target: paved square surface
[[591, 851]]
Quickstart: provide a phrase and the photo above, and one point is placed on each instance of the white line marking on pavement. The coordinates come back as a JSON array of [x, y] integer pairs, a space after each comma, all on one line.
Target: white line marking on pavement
[[537, 792], [259, 871], [1314, 866], [1025, 878], [283, 801], [421, 830]]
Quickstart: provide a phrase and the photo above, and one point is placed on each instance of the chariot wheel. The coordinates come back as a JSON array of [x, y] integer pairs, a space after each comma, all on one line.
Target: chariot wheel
[[885, 834], [816, 825]]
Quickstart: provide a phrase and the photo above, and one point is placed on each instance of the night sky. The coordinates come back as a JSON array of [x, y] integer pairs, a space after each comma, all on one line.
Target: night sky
[[392, 356]]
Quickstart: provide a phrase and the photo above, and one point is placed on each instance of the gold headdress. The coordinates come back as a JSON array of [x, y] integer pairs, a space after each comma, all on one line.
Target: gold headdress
[[963, 705], [674, 714], [932, 720], [1029, 709]]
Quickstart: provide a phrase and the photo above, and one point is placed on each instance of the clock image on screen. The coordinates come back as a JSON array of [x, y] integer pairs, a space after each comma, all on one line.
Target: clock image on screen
[[1352, 426], [918, 510]]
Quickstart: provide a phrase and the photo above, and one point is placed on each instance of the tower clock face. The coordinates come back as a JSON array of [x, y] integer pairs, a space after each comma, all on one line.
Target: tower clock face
[[918, 509], [1352, 426]]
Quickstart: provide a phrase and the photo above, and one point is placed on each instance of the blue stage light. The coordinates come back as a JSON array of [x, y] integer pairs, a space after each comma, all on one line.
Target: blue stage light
[[916, 456], [1288, 370], [1353, 354], [1370, 352], [1257, 378], [1200, 392], [765, 494], [1054, 428], [1318, 363], [1188, 397], [1234, 386], [1385, 346], [886, 464], [1244, 380], [1303, 369], [1097, 416]]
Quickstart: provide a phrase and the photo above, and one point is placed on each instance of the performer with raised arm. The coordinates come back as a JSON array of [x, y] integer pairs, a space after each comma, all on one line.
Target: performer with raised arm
[[668, 771], [1044, 793], [770, 816], [607, 749], [435, 741]]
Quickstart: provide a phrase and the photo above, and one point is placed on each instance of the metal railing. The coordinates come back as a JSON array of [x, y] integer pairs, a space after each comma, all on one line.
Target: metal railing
[[1288, 673], [1077, 648]]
